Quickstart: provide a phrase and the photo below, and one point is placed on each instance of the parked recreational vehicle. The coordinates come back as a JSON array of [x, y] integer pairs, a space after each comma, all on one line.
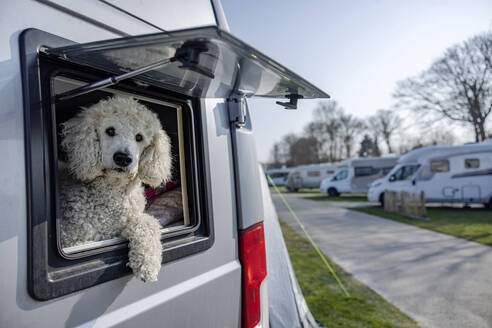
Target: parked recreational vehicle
[[309, 176], [279, 176], [444, 173], [178, 60], [356, 174]]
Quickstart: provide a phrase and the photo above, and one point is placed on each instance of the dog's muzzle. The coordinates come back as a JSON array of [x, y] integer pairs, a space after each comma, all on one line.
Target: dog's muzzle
[[122, 159]]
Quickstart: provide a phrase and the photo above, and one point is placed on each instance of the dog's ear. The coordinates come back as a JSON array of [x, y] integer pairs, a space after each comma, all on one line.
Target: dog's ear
[[155, 164], [81, 144]]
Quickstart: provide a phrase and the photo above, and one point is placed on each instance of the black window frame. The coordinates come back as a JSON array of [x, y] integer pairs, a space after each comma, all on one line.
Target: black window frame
[[357, 171], [472, 160], [50, 273]]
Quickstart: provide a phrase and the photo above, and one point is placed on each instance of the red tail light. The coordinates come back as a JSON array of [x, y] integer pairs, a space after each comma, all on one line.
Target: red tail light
[[253, 261]]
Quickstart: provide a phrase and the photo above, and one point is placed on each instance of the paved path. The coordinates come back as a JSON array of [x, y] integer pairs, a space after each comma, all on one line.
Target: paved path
[[438, 280]]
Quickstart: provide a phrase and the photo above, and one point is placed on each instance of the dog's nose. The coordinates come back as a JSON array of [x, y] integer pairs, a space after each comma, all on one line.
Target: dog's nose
[[122, 159]]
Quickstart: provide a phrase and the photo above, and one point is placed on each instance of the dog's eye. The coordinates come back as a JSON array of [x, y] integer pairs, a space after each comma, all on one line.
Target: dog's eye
[[138, 137], [110, 131]]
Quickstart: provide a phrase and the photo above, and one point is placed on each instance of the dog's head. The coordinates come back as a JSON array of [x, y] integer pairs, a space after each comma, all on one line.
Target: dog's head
[[117, 137]]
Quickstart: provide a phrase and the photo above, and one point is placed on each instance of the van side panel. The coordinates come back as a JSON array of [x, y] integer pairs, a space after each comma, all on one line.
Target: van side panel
[[170, 15], [101, 13], [248, 179], [459, 184], [202, 290]]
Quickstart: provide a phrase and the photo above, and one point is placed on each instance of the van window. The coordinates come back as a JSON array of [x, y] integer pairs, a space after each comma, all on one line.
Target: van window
[[404, 173], [342, 175], [363, 171], [425, 173], [472, 163], [440, 165], [313, 173], [279, 175], [165, 202], [329, 172], [180, 204]]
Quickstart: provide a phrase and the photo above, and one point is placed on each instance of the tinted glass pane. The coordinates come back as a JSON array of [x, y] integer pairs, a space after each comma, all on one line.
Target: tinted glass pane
[[425, 173], [404, 172], [341, 175], [236, 65], [408, 171], [397, 175], [363, 171], [472, 163], [441, 165]]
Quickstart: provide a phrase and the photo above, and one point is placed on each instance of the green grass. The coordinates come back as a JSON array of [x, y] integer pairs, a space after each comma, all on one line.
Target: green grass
[[299, 191], [326, 300], [473, 224], [356, 197]]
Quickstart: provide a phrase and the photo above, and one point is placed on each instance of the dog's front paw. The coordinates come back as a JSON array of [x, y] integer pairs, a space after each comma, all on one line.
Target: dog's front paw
[[145, 246], [148, 272]]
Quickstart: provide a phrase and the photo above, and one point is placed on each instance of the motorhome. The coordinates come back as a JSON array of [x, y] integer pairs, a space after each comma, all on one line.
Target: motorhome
[[443, 173], [179, 60], [309, 176], [278, 176], [354, 175]]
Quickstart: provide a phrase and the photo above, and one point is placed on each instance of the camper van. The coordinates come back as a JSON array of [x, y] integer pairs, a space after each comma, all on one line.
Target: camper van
[[220, 236], [278, 176], [443, 173], [356, 174], [309, 176]]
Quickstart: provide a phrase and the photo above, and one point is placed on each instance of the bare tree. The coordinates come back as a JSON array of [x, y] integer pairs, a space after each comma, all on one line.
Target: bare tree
[[288, 141], [457, 86], [303, 151], [280, 153], [294, 150], [326, 116], [316, 132], [438, 136], [350, 126], [369, 147], [384, 123], [277, 158]]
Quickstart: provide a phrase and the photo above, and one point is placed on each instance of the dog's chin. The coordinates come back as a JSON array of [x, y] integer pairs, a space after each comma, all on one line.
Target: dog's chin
[[117, 172]]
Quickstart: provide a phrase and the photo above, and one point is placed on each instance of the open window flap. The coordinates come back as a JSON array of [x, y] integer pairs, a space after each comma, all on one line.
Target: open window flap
[[237, 67]]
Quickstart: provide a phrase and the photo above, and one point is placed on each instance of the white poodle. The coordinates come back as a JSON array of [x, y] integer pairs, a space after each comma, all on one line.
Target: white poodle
[[112, 148]]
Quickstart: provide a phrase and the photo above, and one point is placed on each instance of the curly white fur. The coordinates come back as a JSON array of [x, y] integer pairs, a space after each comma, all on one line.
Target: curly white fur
[[101, 199]]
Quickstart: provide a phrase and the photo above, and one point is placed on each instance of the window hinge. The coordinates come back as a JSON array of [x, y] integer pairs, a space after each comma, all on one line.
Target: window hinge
[[237, 111]]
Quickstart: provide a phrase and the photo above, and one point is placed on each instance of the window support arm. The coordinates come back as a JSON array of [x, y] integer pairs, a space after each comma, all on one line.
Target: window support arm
[[188, 54], [112, 80]]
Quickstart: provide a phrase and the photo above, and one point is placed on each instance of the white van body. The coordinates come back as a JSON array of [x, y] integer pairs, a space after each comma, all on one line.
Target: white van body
[[356, 174], [279, 176], [200, 283], [309, 176], [443, 173]]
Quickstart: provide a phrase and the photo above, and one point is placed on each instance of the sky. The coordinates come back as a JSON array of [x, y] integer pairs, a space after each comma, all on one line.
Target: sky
[[354, 50]]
